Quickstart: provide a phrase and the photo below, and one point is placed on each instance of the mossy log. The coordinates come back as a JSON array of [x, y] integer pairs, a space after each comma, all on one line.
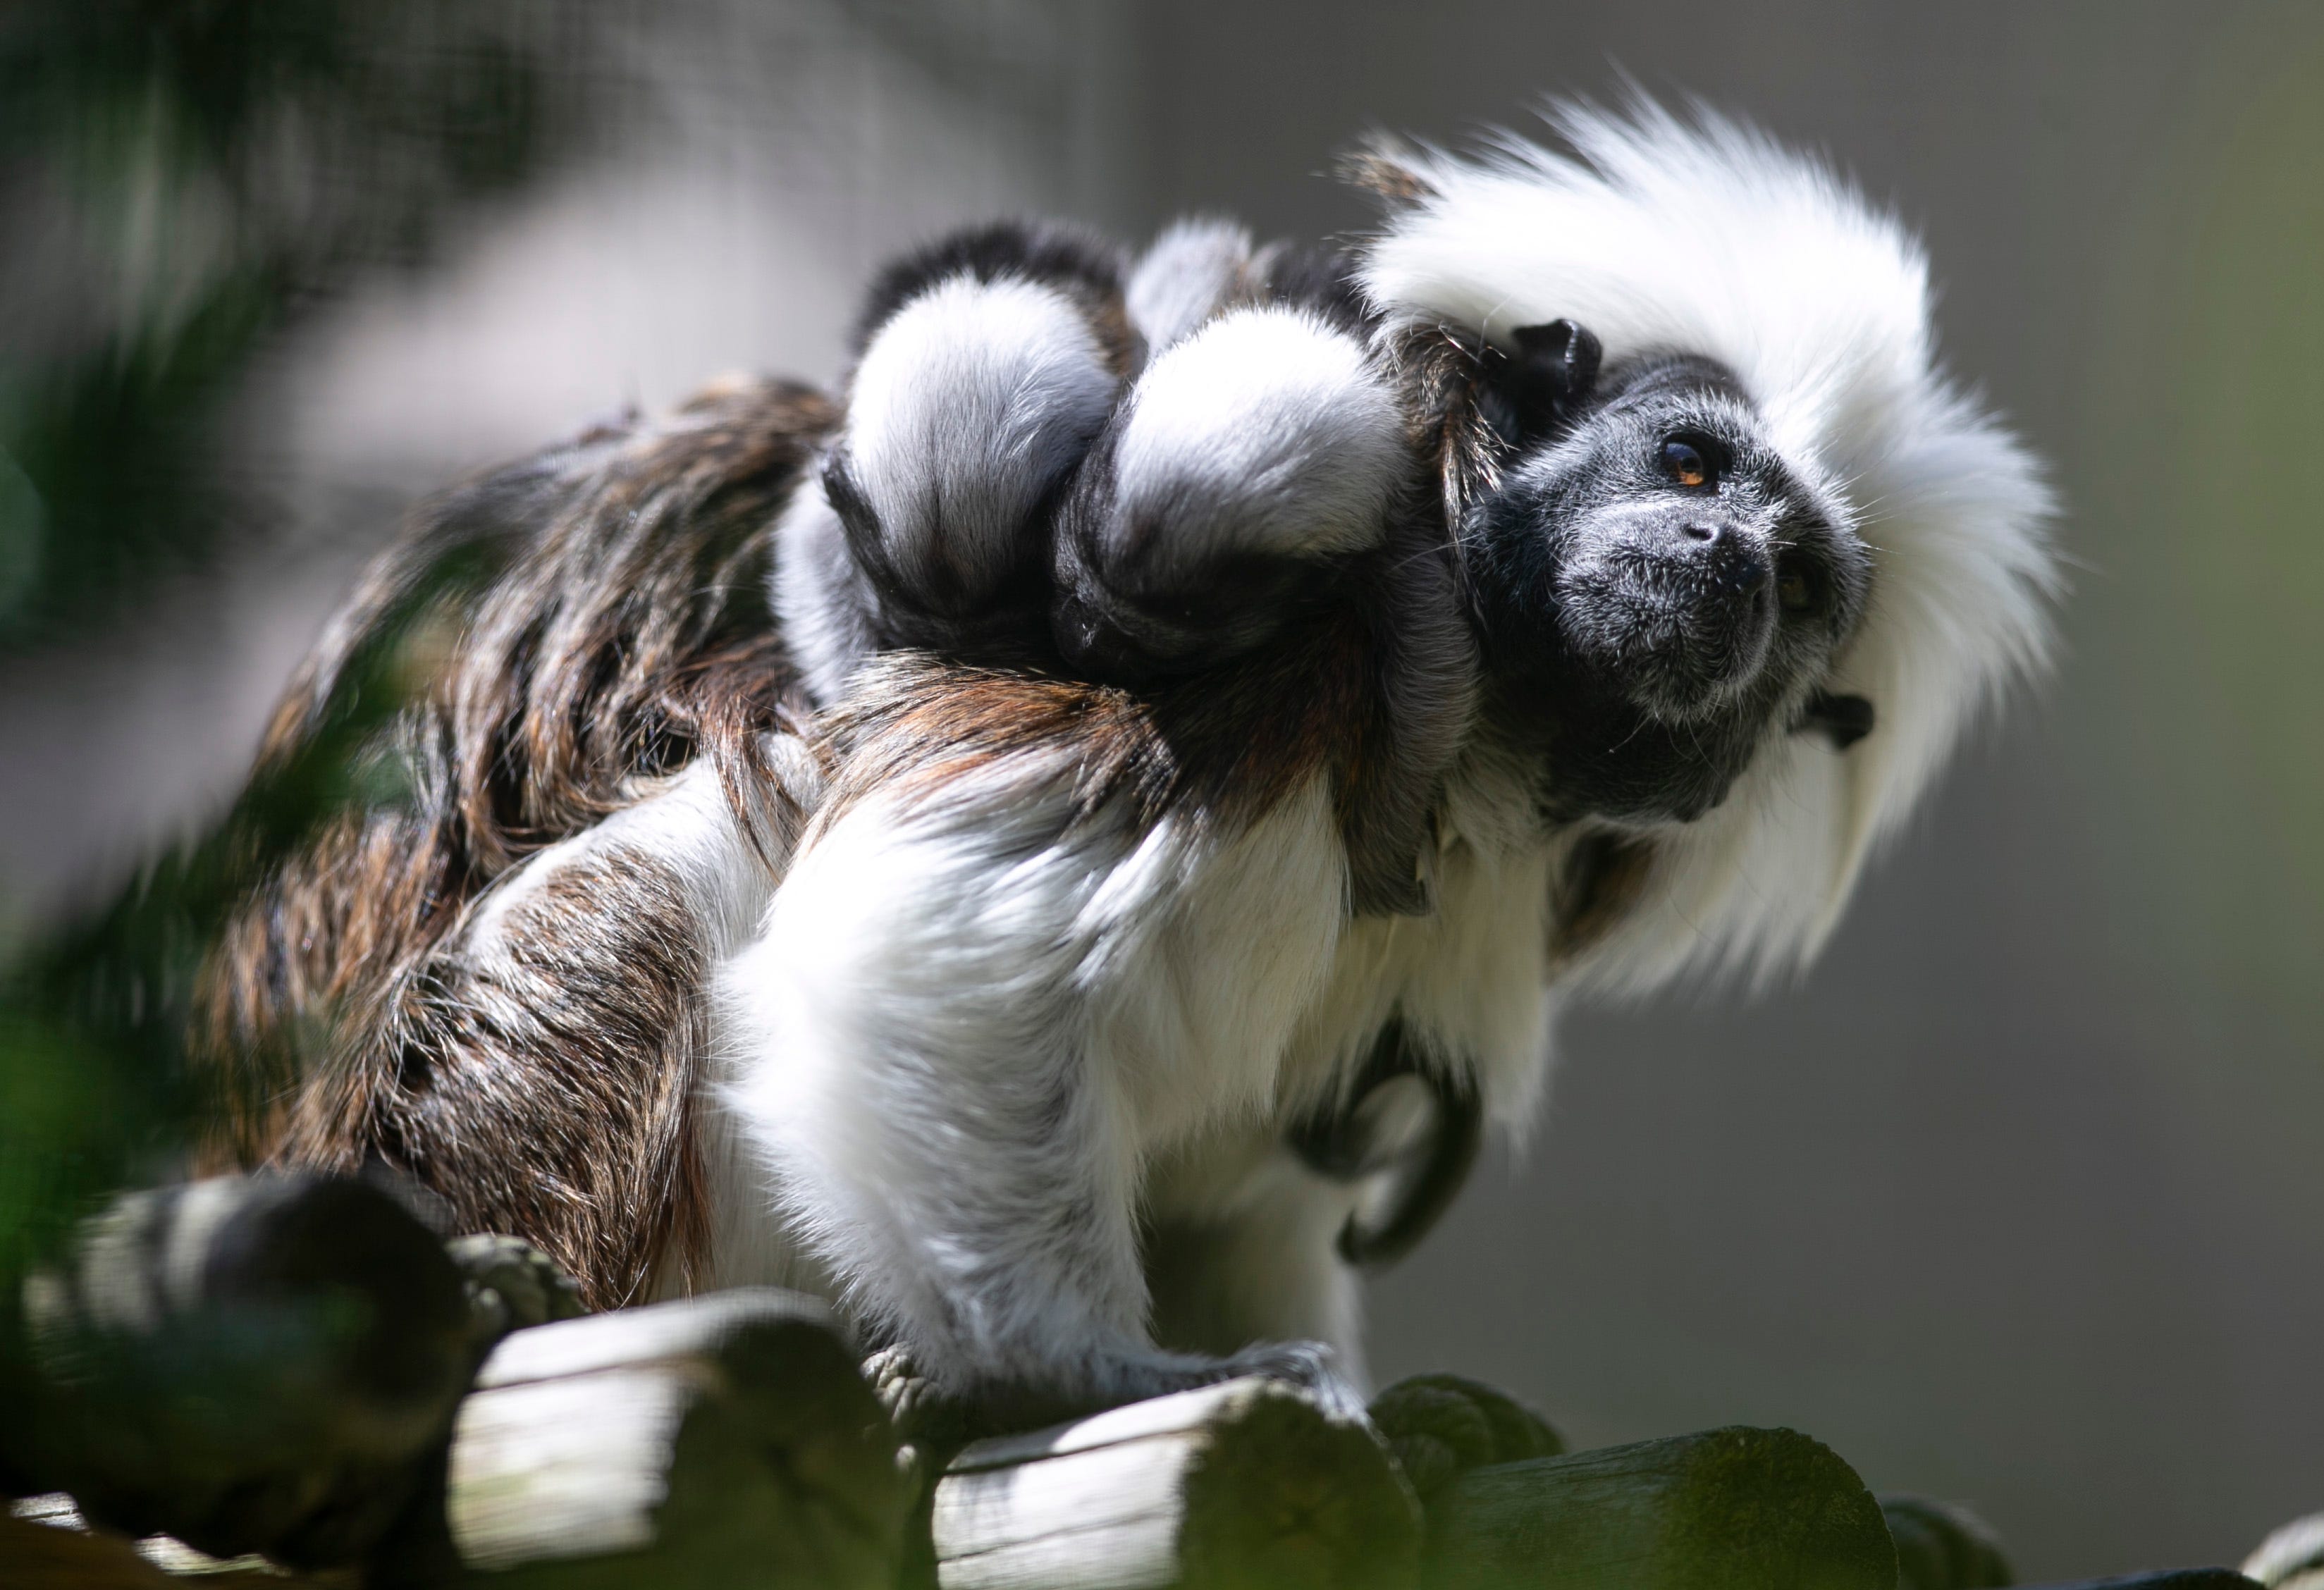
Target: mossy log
[[2166, 1579], [289, 1366], [720, 1442], [1942, 1546], [1246, 1483], [1442, 1425], [254, 1363], [1724, 1510]]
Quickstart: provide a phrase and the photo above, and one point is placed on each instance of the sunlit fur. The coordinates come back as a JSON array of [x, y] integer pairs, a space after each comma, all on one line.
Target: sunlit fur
[[1249, 454], [1259, 435], [1704, 238], [1045, 959], [1179, 284]]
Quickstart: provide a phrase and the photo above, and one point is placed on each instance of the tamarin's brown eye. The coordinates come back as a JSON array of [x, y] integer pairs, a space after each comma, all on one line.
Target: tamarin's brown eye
[[1683, 462], [1794, 590]]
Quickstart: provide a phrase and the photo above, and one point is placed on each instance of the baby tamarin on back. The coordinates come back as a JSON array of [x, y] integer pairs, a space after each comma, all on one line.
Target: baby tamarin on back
[[1159, 748]]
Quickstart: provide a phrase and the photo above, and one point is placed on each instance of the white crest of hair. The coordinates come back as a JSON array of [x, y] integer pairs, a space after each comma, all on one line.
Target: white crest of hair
[[968, 404], [1702, 236], [1194, 269], [1268, 431]]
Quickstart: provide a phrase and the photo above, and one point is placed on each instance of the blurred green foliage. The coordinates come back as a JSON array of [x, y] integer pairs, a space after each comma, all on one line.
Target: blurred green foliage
[[182, 177], [179, 179], [93, 1085]]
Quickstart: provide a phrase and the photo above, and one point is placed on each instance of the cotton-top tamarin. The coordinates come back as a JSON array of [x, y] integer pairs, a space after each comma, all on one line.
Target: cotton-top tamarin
[[1057, 849]]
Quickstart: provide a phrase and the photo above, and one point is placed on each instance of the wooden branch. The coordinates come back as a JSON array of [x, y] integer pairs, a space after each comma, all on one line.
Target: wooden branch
[[2292, 1557], [45, 1544], [723, 1440], [1248, 1483], [250, 1364], [1942, 1547], [275, 1364], [1442, 1425], [2168, 1579], [49, 1556], [1735, 1509]]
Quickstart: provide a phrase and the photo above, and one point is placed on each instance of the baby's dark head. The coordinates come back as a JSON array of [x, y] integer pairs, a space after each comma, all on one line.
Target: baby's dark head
[[1657, 589]]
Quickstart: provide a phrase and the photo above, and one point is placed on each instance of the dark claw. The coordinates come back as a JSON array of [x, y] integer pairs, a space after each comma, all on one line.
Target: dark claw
[[1334, 1143]]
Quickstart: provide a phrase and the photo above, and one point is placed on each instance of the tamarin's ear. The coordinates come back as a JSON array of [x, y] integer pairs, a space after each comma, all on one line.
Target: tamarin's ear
[[1533, 392], [1841, 719], [1560, 357]]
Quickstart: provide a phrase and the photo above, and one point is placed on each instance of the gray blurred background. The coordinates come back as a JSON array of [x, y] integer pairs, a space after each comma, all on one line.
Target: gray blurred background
[[2014, 1200]]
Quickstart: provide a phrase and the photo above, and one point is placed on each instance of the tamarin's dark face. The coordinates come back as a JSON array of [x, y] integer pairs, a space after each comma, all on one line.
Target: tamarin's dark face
[[1657, 590]]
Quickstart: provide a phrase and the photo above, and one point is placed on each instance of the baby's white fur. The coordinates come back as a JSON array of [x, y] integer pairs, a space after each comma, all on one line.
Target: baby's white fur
[[1193, 266], [813, 583], [1708, 238], [1266, 432], [970, 403]]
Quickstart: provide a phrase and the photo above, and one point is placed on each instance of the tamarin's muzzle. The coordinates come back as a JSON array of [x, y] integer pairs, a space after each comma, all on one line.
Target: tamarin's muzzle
[[1680, 608]]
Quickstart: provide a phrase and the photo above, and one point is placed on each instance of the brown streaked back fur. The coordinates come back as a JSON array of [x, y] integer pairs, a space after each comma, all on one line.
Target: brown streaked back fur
[[618, 631], [623, 632]]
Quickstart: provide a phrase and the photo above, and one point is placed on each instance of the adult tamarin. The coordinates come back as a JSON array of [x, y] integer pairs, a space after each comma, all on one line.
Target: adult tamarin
[[969, 852]]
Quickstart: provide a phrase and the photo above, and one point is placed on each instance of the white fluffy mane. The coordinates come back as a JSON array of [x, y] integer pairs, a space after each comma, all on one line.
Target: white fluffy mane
[[1705, 237]]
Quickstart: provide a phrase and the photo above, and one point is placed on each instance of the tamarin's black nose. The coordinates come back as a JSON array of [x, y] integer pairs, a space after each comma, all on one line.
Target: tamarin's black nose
[[1746, 568], [1738, 561]]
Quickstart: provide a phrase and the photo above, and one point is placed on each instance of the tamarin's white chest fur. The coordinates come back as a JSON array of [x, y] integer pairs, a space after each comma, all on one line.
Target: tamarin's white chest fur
[[978, 1039], [1469, 983], [1241, 991]]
